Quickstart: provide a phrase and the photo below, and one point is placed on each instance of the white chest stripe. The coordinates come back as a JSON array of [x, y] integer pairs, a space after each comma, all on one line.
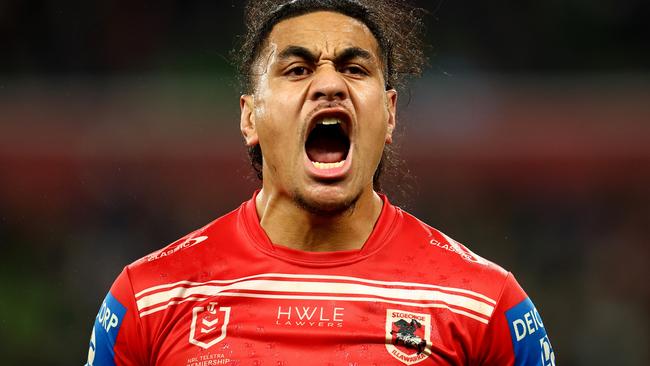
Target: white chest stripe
[[457, 300]]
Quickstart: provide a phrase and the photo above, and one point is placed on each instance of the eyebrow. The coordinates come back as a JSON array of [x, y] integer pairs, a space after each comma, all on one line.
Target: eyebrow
[[348, 54]]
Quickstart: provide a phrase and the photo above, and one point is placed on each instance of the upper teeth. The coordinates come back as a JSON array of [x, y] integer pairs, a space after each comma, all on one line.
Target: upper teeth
[[329, 121]]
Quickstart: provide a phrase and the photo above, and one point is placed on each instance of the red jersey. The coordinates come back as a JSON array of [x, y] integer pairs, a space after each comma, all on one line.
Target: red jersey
[[226, 295]]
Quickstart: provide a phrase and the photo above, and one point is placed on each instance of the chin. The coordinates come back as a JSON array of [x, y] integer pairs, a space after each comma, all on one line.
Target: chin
[[326, 203]]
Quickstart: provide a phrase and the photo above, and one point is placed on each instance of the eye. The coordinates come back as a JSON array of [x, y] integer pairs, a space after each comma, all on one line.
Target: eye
[[298, 71], [353, 70]]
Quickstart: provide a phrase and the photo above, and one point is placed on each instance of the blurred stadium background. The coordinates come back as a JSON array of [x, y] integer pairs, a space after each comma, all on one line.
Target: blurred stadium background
[[528, 137]]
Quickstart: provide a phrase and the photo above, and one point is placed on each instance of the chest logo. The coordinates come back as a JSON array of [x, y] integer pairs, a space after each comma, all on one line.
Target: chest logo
[[408, 336], [209, 325]]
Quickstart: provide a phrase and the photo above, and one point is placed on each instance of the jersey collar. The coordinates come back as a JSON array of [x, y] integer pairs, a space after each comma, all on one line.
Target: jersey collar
[[381, 233]]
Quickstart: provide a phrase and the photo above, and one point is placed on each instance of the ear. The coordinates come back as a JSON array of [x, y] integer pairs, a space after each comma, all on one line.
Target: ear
[[391, 108], [247, 119]]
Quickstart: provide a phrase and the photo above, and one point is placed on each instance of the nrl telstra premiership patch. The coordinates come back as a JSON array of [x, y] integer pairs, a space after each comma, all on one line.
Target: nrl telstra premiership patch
[[107, 325], [529, 339]]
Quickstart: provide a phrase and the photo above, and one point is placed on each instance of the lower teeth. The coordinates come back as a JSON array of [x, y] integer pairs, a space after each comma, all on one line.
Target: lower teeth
[[320, 165]]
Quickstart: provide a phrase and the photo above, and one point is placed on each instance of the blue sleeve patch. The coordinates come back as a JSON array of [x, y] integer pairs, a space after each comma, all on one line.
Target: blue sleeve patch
[[529, 339], [107, 325]]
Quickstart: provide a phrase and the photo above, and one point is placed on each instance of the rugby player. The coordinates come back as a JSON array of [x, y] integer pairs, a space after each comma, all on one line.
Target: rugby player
[[318, 268]]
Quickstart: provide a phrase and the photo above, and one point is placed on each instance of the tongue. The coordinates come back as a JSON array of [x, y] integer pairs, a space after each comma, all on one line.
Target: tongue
[[326, 150]]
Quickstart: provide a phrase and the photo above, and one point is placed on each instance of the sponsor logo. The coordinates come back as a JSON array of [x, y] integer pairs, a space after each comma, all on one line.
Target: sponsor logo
[[187, 243], [408, 336], [453, 247], [107, 325], [310, 316], [209, 325], [529, 338]]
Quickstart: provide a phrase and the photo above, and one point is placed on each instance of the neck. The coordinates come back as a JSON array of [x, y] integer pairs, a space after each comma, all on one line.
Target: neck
[[288, 224]]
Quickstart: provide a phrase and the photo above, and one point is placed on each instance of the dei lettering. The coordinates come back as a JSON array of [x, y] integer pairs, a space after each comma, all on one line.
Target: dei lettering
[[529, 338]]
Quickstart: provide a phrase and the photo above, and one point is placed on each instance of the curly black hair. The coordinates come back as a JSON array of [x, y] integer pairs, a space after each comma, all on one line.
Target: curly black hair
[[396, 25]]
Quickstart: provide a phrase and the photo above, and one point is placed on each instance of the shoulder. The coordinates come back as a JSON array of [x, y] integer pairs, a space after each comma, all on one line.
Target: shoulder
[[450, 258], [181, 258], [194, 240], [447, 248]]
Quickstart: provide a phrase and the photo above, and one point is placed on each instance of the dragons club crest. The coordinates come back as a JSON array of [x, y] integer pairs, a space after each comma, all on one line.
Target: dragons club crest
[[408, 335]]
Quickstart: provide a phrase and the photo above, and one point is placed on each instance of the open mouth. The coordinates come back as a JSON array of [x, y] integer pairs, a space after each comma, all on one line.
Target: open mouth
[[328, 144]]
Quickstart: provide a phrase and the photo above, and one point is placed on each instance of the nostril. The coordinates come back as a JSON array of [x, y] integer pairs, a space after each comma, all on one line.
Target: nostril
[[328, 84], [329, 94]]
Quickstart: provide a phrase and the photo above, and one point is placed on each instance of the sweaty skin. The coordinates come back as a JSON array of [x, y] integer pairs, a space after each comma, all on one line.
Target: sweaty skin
[[337, 70]]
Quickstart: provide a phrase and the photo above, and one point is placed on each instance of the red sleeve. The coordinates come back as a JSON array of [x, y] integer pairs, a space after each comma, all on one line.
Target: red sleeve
[[516, 335], [117, 336]]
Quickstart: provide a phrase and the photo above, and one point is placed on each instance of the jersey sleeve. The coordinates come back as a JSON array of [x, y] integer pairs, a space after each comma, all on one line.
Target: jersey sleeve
[[516, 335], [116, 337]]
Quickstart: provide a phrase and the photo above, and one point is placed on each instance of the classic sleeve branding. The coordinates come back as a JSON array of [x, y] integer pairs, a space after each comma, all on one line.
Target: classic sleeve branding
[[529, 339], [107, 325]]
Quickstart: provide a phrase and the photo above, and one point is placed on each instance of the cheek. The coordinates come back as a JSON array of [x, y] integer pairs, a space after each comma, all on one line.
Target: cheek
[[280, 104], [282, 111], [371, 108], [370, 99], [275, 129]]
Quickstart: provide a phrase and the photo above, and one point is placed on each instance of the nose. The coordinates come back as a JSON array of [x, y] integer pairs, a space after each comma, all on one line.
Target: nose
[[328, 84]]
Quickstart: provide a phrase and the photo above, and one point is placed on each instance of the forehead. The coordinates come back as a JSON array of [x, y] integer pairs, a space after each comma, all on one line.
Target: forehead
[[323, 31]]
